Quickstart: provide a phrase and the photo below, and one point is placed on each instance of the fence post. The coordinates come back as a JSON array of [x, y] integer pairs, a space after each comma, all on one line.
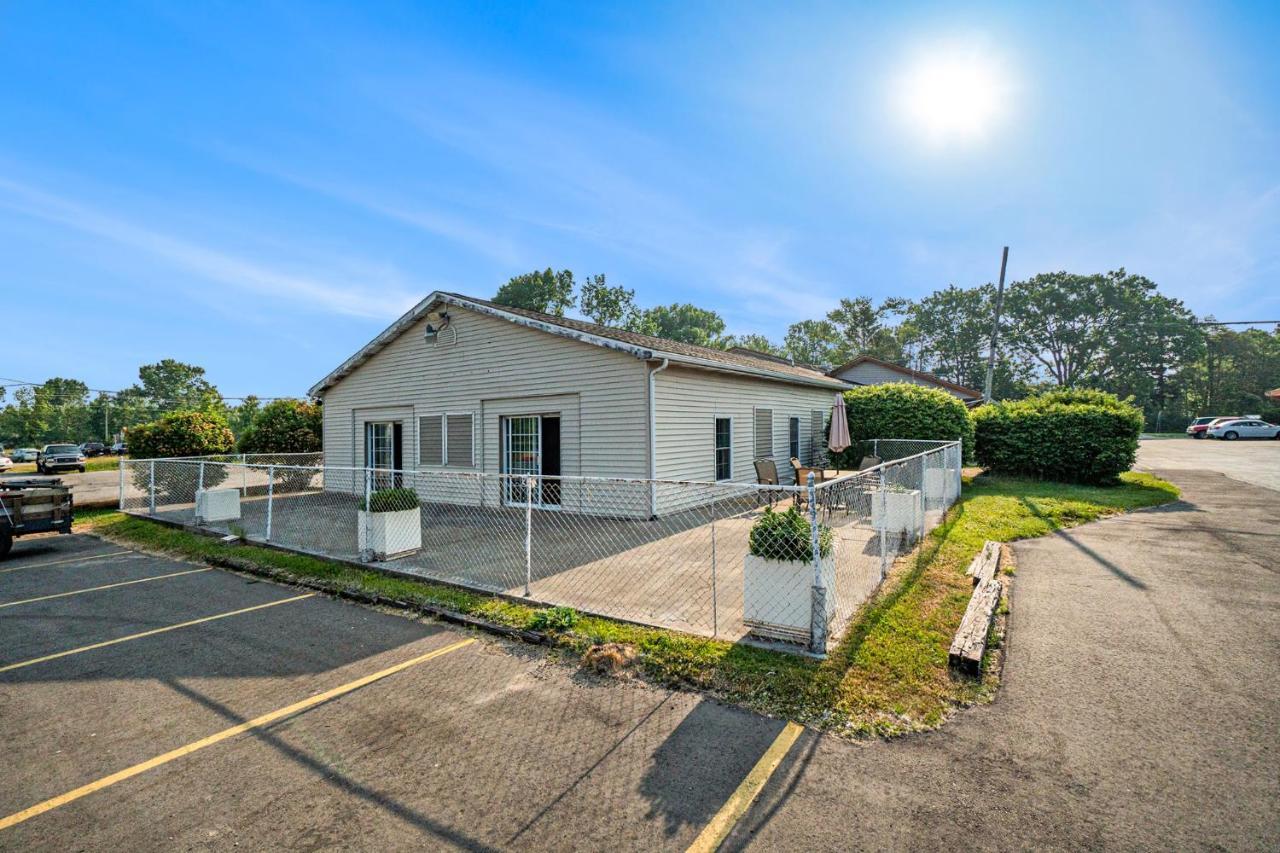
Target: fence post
[[528, 536], [884, 526], [244, 477], [875, 447], [959, 466], [200, 483], [715, 612], [818, 612], [151, 489], [271, 488], [122, 482], [366, 553]]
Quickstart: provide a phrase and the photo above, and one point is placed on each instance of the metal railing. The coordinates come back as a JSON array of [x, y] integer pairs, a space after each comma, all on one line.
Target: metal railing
[[674, 554]]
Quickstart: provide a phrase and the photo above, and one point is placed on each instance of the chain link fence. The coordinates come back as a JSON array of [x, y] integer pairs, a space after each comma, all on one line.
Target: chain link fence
[[665, 553]]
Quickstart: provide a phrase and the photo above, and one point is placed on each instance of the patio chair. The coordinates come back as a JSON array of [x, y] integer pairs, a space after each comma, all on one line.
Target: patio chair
[[767, 475], [802, 479]]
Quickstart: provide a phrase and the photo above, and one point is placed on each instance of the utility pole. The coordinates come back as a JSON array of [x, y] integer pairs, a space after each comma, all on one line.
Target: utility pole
[[995, 327]]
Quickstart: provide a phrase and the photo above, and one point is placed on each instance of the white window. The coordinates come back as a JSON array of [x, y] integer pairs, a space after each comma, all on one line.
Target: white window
[[724, 449], [764, 433], [793, 437], [446, 440]]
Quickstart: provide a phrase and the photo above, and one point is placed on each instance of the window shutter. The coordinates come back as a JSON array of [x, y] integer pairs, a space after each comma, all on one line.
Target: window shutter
[[459, 443], [764, 433], [430, 441], [817, 435]]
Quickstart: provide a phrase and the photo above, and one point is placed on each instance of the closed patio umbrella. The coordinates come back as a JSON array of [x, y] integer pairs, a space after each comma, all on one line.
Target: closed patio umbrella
[[838, 440]]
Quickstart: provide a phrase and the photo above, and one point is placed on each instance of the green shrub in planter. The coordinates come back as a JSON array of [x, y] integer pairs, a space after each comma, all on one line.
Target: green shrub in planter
[[391, 500], [179, 434], [786, 536], [1069, 436], [903, 410]]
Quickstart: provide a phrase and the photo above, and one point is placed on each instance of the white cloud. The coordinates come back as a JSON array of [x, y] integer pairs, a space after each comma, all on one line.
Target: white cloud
[[381, 298]]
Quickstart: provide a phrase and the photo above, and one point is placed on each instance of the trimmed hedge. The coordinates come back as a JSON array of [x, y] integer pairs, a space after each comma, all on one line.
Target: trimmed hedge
[[284, 426], [178, 434], [1069, 436], [903, 410]]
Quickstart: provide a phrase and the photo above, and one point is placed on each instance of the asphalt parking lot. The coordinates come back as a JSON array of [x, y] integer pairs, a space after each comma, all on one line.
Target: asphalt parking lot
[[1255, 461], [123, 731]]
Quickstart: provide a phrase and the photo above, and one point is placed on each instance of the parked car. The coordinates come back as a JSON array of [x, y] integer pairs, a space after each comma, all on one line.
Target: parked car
[[93, 448], [1198, 427], [60, 457], [1244, 428], [5, 462], [26, 454]]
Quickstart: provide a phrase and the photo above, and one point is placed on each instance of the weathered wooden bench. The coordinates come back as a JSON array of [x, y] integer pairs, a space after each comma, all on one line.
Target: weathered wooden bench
[[986, 564], [970, 642]]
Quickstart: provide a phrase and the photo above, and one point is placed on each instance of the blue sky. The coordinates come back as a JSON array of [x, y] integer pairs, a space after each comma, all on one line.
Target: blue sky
[[260, 190]]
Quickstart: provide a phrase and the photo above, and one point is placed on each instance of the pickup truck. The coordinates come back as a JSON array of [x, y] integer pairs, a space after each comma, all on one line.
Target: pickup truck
[[33, 505]]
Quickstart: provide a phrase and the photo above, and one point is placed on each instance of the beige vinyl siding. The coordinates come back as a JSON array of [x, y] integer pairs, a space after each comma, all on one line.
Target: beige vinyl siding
[[499, 368], [688, 402]]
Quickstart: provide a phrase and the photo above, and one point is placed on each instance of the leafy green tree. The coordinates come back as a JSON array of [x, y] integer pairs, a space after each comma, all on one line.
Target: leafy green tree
[[813, 342], [284, 426], [608, 306], [240, 417], [685, 323], [547, 291], [756, 342], [863, 330]]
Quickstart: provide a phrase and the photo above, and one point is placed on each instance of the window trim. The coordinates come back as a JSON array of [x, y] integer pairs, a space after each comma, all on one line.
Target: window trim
[[715, 448]]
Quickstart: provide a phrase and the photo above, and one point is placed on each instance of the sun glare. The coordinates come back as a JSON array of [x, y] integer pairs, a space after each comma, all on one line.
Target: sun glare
[[953, 96]]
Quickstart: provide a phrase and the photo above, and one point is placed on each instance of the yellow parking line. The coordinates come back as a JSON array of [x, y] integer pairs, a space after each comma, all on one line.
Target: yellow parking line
[[150, 633], [255, 723], [715, 832], [104, 586], [64, 562]]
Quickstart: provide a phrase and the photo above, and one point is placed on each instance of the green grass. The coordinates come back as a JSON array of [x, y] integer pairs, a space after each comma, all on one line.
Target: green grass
[[888, 675], [97, 463]]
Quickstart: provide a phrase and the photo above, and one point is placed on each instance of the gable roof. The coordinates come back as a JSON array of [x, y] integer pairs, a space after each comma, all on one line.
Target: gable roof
[[907, 371], [633, 343]]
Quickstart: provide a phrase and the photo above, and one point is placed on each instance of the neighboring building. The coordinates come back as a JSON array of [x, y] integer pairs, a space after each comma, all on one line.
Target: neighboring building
[[867, 370], [463, 385]]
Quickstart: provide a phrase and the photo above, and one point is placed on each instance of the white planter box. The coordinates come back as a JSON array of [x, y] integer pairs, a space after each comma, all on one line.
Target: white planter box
[[939, 484], [390, 534], [896, 512], [217, 505], [777, 596]]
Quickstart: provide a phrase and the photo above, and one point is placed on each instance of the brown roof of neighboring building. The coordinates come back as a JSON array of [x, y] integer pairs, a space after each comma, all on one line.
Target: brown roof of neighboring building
[[642, 346], [906, 371]]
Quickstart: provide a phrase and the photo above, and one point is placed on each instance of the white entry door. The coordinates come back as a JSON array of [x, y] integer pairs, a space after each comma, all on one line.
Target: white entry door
[[522, 458]]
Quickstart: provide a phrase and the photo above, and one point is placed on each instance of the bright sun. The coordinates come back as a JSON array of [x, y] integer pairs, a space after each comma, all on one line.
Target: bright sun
[[952, 95]]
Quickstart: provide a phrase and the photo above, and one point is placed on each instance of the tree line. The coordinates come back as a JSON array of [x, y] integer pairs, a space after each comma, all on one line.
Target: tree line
[[62, 409], [1110, 331]]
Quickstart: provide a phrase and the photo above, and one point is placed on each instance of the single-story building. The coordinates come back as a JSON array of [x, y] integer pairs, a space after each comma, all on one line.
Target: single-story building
[[868, 370], [464, 386]]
